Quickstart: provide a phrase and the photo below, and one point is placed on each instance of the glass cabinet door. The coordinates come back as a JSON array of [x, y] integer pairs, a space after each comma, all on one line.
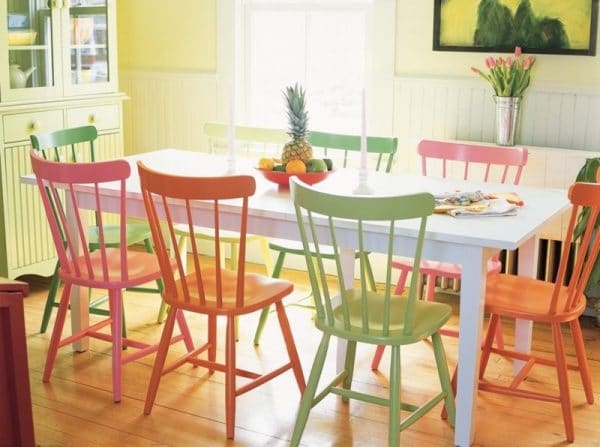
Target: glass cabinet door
[[89, 65], [31, 49]]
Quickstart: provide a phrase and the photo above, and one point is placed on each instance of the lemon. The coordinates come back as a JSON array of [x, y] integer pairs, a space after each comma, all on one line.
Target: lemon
[[266, 164]]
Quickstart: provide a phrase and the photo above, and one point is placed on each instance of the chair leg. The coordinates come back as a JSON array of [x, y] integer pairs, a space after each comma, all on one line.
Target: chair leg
[[487, 344], [445, 381], [563, 381], [584, 368], [115, 302], [395, 401], [212, 339], [230, 378], [349, 367], [57, 331], [266, 254], [377, 357], [430, 291], [185, 331], [54, 283], [311, 388], [264, 314], [290, 345], [159, 363]]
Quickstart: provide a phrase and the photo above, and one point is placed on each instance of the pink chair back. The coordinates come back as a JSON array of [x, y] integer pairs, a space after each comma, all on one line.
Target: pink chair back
[[498, 159], [59, 184]]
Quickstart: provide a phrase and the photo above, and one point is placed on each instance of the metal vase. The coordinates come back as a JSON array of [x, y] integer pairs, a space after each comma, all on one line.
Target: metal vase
[[507, 114]]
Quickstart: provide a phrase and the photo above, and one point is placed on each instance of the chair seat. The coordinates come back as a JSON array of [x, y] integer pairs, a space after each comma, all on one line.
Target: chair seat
[[503, 293], [225, 236], [445, 269], [259, 291], [142, 267], [136, 233], [428, 318]]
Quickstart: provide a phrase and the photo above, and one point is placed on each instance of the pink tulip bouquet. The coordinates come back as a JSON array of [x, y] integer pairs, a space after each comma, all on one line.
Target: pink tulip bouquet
[[509, 76]]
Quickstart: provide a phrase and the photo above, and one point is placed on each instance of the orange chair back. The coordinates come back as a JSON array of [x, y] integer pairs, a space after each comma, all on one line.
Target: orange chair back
[[196, 201], [581, 195], [58, 184], [496, 160]]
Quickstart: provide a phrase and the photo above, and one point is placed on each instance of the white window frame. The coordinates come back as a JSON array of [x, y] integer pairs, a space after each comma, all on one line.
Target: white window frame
[[380, 63]]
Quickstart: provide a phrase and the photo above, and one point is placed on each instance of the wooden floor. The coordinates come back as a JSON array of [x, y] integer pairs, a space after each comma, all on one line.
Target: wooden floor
[[76, 409]]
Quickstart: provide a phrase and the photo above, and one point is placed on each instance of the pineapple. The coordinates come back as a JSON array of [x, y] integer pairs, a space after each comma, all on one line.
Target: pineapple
[[298, 148]]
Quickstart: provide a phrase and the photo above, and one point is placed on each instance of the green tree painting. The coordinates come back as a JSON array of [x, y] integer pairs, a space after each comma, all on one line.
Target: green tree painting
[[497, 27]]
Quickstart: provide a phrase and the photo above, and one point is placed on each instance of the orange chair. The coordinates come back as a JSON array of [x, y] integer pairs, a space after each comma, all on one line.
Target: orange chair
[[209, 289], [554, 304], [495, 164], [111, 268]]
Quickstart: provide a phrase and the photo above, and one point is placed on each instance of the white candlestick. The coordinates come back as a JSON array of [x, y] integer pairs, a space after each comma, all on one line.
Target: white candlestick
[[363, 135]]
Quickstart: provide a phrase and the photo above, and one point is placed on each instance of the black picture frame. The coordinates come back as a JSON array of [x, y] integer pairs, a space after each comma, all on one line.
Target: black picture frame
[[526, 47]]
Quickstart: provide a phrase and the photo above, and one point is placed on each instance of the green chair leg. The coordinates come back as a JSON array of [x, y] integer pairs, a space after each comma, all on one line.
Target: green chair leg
[[264, 314], [51, 300], [349, 367], [311, 388], [395, 402], [442, 367]]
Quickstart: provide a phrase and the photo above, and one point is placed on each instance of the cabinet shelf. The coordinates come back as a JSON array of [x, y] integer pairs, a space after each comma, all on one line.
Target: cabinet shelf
[[27, 47]]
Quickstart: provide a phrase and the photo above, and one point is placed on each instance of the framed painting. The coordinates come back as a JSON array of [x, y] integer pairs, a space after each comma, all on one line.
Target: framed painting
[[537, 26]]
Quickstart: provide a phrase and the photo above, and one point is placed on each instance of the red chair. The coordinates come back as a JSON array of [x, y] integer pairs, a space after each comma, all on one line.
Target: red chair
[[493, 164], [210, 289], [555, 304], [111, 268]]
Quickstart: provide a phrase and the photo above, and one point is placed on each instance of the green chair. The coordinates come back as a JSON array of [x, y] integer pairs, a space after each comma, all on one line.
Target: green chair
[[75, 145], [360, 315], [340, 147]]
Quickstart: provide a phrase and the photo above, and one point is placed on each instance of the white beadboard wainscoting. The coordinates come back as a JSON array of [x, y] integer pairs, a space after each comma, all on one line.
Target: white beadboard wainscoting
[[559, 125]]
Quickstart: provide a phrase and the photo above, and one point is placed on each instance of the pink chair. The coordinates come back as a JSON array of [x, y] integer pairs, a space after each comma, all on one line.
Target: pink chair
[[108, 268], [494, 164]]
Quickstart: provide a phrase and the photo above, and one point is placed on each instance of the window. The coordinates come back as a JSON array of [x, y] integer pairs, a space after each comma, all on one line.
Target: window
[[328, 46]]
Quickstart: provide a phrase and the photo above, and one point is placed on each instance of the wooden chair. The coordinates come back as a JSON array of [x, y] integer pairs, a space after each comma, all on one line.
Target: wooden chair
[[555, 304], [469, 161], [357, 314], [340, 147], [107, 267], [210, 289], [263, 137], [76, 145]]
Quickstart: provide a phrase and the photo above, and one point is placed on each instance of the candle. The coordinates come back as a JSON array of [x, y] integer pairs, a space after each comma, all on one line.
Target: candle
[[363, 135], [231, 120]]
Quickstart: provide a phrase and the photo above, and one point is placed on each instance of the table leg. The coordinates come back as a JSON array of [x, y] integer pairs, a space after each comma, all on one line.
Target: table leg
[[528, 255], [347, 261], [472, 296], [80, 298]]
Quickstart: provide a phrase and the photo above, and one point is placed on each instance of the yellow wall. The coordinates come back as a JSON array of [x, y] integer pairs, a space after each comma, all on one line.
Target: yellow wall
[[414, 54], [175, 35], [181, 35]]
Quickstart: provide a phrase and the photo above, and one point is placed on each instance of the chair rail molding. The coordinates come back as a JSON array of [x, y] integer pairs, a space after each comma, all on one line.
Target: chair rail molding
[[459, 108]]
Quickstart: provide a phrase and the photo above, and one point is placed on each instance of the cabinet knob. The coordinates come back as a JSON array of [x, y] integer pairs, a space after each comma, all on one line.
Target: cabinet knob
[[34, 125], [92, 119]]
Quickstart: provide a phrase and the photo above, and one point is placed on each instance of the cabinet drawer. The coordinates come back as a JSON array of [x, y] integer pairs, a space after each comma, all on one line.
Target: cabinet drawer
[[18, 126], [103, 117]]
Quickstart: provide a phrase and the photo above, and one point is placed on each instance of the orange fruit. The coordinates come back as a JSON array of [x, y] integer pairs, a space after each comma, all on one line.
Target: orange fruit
[[295, 167]]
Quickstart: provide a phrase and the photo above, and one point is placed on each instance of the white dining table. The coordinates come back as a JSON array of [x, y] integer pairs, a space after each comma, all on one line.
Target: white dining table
[[469, 241]]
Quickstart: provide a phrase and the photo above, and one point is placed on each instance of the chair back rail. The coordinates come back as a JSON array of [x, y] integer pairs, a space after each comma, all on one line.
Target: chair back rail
[[52, 142], [339, 213], [581, 195], [52, 177], [384, 147], [493, 158], [163, 196]]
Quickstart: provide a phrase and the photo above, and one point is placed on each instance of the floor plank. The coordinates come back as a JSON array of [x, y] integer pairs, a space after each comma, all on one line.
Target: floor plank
[[75, 408]]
